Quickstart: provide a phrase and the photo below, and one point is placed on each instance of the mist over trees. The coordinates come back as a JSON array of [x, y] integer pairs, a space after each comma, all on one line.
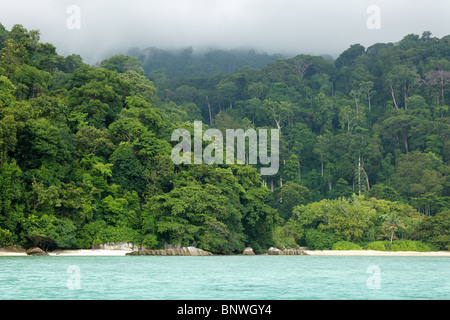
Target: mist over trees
[[364, 147]]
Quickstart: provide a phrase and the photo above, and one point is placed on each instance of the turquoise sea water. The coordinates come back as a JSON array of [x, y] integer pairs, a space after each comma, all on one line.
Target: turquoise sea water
[[224, 278]]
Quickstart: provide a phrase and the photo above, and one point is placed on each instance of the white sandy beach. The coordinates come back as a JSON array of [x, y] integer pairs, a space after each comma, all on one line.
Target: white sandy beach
[[90, 252], [81, 252], [377, 253], [103, 252]]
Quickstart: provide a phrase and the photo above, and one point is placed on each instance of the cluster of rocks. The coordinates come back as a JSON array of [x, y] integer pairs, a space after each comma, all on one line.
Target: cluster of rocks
[[248, 252], [276, 251], [292, 252], [169, 250], [35, 251], [116, 246], [176, 251]]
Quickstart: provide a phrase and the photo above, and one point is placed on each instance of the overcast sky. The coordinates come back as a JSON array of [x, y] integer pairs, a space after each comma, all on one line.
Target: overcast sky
[[273, 26]]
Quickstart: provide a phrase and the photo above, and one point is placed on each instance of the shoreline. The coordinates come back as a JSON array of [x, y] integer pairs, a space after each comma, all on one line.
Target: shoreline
[[367, 253], [355, 253]]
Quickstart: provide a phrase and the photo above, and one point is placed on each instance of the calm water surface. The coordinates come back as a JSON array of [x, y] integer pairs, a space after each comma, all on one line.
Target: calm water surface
[[224, 277]]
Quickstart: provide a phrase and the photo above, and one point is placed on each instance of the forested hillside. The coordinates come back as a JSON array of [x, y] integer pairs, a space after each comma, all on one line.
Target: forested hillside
[[364, 152], [170, 64]]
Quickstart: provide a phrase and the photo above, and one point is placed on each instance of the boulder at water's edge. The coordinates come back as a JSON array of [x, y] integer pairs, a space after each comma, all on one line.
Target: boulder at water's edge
[[35, 251], [248, 252]]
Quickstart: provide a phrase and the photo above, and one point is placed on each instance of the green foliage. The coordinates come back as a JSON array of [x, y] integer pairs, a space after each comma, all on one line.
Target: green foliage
[[380, 191], [409, 245], [7, 91], [285, 198], [358, 220], [6, 238], [320, 240], [31, 81], [350, 219], [181, 63], [419, 173], [12, 56], [99, 232], [378, 245], [49, 232], [209, 212], [364, 147], [400, 245], [345, 245], [283, 239], [117, 234], [122, 63], [150, 241], [348, 56], [436, 230]]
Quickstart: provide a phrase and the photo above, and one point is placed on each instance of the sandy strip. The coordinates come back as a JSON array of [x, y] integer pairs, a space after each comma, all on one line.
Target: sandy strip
[[377, 253], [89, 252], [11, 254], [100, 252], [81, 252]]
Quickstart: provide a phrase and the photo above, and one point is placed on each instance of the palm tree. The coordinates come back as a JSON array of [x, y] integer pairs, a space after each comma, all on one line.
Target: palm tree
[[392, 224]]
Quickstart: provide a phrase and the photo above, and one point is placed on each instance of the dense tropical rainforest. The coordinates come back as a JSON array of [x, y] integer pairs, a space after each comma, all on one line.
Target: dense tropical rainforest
[[85, 150]]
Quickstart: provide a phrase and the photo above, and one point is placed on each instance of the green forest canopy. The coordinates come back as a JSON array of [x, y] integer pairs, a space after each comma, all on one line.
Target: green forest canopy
[[364, 150]]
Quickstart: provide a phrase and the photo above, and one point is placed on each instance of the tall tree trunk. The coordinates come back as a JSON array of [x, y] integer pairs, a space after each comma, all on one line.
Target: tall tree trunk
[[405, 96], [209, 108], [367, 180], [405, 141], [329, 180], [278, 124], [359, 175], [321, 167], [393, 97]]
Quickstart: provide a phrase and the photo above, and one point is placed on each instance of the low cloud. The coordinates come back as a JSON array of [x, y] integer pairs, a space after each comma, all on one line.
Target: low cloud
[[274, 26]]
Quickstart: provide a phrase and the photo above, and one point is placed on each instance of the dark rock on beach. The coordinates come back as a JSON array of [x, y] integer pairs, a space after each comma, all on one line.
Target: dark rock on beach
[[35, 251], [290, 252], [294, 251], [181, 251], [248, 251]]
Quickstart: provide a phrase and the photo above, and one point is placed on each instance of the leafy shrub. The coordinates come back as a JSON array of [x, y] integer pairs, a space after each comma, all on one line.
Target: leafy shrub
[[119, 234], [150, 241], [346, 245], [49, 232], [409, 245], [434, 230], [320, 240], [5, 237], [99, 232], [377, 245], [283, 239], [88, 234], [65, 230], [434, 247]]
